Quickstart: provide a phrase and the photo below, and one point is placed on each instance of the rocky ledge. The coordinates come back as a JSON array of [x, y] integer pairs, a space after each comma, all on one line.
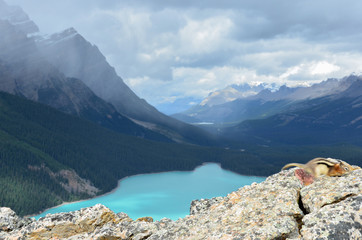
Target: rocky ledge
[[281, 207]]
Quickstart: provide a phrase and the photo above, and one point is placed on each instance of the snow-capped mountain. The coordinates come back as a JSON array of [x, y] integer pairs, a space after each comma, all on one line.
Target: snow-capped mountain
[[261, 105], [324, 88], [233, 92], [331, 116]]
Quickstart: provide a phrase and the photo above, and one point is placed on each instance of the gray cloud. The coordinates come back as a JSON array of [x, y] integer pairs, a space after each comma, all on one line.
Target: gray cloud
[[168, 50]]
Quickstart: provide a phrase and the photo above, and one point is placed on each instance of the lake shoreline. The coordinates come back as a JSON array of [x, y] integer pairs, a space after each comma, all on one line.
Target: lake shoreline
[[122, 179], [114, 189]]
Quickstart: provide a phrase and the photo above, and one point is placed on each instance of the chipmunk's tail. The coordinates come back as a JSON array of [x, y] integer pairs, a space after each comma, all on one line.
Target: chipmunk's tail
[[293, 165]]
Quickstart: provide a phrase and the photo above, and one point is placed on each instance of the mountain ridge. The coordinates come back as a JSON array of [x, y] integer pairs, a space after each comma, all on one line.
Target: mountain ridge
[[26, 72], [78, 58], [16, 16], [263, 104], [31, 76], [67, 55], [325, 120]]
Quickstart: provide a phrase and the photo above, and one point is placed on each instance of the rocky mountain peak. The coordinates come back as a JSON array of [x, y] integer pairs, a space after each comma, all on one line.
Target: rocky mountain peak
[[36, 65], [281, 207], [267, 101], [55, 38], [233, 92], [353, 85], [16, 16]]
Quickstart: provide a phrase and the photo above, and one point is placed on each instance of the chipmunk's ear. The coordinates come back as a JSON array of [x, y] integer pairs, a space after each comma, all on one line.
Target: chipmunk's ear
[[337, 166]]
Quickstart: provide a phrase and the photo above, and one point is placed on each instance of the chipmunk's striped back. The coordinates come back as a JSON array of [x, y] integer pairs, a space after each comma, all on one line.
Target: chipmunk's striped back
[[323, 166]]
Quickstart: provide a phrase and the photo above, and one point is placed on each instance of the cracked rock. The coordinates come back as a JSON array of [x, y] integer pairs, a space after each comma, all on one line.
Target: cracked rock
[[327, 190], [338, 221]]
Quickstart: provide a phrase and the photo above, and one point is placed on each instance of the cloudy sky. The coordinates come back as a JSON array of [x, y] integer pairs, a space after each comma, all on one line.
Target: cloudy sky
[[178, 51]]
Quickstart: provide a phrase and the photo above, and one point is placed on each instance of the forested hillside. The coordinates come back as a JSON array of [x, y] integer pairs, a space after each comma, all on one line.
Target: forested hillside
[[37, 142]]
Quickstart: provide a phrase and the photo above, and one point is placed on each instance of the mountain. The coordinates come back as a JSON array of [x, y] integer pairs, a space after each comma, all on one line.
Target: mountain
[[47, 157], [76, 57], [234, 92], [336, 117], [16, 16], [25, 72], [227, 105], [67, 55], [324, 88], [264, 104], [232, 112]]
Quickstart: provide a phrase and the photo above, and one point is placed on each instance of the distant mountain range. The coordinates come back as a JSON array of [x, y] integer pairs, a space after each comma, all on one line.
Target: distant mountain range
[[234, 92], [327, 112], [333, 117], [233, 105], [218, 107], [67, 72]]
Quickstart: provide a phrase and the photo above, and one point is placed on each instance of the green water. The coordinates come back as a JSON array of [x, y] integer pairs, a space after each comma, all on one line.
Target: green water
[[167, 194]]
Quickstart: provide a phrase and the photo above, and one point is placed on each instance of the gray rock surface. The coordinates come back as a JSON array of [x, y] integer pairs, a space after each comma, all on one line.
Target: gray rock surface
[[278, 208], [342, 220], [9, 221]]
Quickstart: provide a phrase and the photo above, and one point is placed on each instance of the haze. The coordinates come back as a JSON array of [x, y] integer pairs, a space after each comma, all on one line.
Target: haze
[[176, 52]]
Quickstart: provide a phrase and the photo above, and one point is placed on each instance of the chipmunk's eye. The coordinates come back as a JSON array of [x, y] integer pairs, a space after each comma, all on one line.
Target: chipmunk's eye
[[346, 168]]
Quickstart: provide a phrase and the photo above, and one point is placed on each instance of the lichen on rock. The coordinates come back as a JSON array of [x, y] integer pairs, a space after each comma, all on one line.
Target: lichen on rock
[[342, 220], [281, 207]]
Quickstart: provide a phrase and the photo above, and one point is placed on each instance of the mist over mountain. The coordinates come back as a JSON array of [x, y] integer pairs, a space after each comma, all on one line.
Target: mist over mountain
[[25, 72], [76, 57], [16, 16], [67, 72]]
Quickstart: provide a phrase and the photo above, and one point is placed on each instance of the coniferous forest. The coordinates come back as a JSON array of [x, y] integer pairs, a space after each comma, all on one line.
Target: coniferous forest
[[36, 141]]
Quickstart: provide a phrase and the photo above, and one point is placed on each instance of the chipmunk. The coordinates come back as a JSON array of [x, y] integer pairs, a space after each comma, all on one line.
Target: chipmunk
[[324, 166]]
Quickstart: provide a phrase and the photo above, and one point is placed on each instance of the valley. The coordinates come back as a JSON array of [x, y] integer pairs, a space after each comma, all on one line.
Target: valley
[[37, 140], [70, 127]]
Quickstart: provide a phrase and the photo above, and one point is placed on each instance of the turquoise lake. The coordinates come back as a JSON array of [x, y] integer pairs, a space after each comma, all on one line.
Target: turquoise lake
[[168, 194]]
